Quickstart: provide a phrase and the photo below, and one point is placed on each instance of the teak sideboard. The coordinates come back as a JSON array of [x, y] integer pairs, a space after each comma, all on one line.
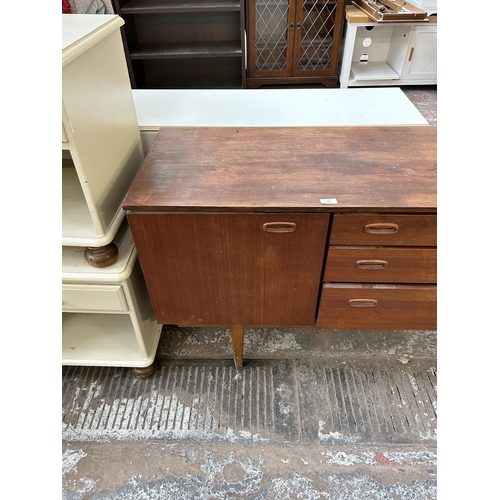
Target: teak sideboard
[[332, 227]]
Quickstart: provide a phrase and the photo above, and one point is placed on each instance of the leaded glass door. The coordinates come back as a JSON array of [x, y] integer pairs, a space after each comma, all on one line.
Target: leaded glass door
[[270, 45], [293, 38], [319, 25]]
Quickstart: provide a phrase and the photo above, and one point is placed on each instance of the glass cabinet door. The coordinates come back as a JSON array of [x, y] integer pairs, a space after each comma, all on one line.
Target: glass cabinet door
[[289, 38], [318, 35], [272, 43]]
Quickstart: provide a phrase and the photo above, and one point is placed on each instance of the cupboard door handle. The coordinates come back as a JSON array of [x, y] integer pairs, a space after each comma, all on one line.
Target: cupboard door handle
[[363, 302], [381, 228], [371, 264], [279, 227], [411, 53], [291, 26]]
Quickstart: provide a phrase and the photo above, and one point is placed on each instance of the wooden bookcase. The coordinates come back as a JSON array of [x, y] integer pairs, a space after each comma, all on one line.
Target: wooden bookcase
[[294, 41], [184, 43]]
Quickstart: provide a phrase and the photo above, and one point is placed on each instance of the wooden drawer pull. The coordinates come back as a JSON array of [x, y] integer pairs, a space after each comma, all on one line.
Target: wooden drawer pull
[[279, 227], [362, 302], [371, 264], [381, 228]]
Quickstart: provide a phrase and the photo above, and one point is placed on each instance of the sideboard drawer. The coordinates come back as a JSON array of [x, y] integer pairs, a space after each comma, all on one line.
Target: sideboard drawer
[[384, 229], [381, 264], [378, 306], [93, 298]]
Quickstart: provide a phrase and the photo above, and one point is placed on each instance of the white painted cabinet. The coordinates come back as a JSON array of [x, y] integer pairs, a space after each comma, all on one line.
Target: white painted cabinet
[[430, 6], [107, 318], [101, 145], [402, 53]]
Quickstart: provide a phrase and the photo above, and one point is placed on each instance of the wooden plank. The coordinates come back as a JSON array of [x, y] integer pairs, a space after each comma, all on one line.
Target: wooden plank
[[355, 15]]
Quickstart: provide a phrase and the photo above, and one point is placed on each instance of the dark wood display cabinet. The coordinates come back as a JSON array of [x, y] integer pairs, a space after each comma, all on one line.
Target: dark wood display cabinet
[[184, 43], [294, 41]]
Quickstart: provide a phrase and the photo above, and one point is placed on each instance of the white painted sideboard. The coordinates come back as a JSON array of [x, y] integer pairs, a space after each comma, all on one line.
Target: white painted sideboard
[[389, 53]]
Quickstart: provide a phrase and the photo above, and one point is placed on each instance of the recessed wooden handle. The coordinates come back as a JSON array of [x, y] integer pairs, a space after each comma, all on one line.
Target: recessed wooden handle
[[411, 53], [371, 264], [381, 228], [363, 302], [279, 227]]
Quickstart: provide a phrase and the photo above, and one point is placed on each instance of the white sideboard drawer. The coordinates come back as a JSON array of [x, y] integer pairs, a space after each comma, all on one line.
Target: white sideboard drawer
[[93, 298]]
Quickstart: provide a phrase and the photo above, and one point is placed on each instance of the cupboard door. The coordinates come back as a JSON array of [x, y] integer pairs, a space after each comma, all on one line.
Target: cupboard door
[[422, 55], [222, 269], [270, 37], [317, 37]]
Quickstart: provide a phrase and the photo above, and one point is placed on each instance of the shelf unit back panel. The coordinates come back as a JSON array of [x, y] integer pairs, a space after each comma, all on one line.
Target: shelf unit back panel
[[188, 27], [388, 43], [222, 73]]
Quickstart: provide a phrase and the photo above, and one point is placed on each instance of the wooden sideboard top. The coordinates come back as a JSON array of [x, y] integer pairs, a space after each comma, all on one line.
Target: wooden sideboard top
[[288, 169]]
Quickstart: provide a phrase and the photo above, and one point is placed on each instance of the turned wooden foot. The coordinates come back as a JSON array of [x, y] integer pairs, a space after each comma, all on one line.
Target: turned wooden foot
[[144, 372], [101, 256], [237, 334]]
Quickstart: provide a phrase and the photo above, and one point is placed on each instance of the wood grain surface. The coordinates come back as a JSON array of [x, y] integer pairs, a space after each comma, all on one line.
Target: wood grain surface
[[288, 169], [226, 269]]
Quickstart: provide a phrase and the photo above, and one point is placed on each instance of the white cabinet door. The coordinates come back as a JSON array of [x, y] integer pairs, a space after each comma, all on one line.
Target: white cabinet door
[[430, 6], [422, 55]]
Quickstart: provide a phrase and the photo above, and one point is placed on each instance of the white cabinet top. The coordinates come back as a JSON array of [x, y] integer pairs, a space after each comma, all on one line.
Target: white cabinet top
[[274, 108], [82, 31]]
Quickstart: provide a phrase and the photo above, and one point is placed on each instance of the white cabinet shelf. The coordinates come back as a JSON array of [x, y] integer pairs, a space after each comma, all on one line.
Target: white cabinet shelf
[[107, 317], [402, 53], [100, 135], [377, 70]]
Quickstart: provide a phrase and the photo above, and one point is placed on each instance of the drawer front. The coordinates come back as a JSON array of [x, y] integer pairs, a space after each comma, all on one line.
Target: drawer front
[[390, 307], [384, 229], [381, 264], [93, 298]]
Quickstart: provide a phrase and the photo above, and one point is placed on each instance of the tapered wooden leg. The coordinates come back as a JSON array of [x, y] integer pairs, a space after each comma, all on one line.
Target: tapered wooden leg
[[237, 333]]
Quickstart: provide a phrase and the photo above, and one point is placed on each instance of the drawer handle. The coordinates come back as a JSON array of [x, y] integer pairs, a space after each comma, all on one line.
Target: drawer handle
[[279, 227], [363, 302], [371, 264], [381, 228]]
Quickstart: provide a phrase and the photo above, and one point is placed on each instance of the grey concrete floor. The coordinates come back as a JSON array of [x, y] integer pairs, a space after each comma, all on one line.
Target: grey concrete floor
[[314, 414], [340, 415]]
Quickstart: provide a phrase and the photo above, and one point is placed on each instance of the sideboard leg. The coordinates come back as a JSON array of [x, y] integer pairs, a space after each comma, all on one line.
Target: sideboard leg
[[237, 334]]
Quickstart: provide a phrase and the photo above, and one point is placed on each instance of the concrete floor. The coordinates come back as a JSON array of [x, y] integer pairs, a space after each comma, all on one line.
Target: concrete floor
[[338, 415]]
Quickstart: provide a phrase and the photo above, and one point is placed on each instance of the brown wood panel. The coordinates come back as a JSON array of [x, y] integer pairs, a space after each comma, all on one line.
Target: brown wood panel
[[373, 169], [378, 306], [226, 269], [383, 229], [382, 264]]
